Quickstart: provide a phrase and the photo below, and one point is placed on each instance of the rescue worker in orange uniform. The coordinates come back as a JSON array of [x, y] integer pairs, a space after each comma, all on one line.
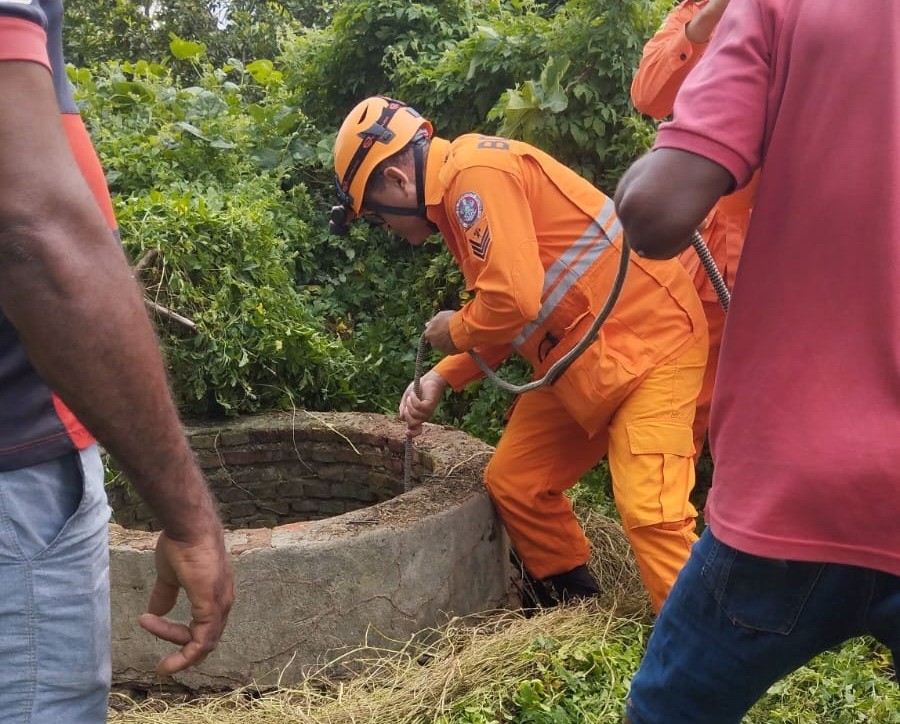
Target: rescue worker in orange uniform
[[667, 59], [538, 246]]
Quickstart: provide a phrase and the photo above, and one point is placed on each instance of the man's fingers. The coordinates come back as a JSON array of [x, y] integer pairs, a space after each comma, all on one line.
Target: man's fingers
[[196, 642], [189, 655], [175, 633], [204, 571], [416, 410], [162, 597]]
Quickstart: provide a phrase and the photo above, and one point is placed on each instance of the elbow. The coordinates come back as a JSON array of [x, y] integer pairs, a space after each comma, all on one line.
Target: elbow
[[664, 196], [41, 235], [647, 226], [25, 228]]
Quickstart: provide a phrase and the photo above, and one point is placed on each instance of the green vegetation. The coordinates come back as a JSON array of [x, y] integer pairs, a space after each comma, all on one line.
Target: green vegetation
[[216, 135], [214, 123], [568, 665]]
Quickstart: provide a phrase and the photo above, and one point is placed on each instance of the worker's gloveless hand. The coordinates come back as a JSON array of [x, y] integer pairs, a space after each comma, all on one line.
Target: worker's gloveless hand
[[202, 568], [437, 332], [415, 410]]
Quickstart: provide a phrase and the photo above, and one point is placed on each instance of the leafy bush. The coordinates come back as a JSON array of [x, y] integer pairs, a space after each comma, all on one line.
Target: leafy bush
[[354, 57], [227, 162], [226, 267], [191, 176], [142, 29], [575, 104]]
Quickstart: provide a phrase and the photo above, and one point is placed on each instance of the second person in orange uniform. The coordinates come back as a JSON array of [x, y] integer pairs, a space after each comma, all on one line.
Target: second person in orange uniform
[[668, 58], [539, 246]]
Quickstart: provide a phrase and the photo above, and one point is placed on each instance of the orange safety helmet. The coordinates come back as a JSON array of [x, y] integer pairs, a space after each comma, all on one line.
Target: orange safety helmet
[[374, 130]]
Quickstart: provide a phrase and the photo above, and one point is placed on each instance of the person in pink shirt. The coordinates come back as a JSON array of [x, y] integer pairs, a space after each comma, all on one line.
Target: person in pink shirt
[[668, 57], [803, 546]]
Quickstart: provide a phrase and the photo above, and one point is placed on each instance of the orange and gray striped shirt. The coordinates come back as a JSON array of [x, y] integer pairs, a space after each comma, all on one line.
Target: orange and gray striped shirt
[[35, 425]]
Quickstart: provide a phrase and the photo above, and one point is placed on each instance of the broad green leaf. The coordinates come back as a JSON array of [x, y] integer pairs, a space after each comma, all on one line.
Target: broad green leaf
[[186, 49]]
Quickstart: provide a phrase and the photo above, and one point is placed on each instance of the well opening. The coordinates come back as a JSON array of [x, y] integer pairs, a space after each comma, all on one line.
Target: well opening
[[268, 475], [328, 550]]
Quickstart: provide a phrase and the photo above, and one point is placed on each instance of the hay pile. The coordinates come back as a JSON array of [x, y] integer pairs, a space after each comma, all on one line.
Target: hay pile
[[613, 566], [467, 662]]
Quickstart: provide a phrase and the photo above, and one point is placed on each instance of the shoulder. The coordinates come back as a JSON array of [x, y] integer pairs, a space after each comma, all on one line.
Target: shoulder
[[476, 150], [33, 11], [486, 163]]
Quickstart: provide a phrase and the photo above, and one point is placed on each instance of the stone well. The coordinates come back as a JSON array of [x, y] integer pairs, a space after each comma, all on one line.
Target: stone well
[[328, 550]]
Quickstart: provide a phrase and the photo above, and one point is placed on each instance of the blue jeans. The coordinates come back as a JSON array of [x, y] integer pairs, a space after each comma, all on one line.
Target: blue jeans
[[734, 624], [54, 592]]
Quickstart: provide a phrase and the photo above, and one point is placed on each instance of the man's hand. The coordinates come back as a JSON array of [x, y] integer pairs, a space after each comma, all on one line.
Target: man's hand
[[437, 332], [700, 28], [415, 410], [203, 569]]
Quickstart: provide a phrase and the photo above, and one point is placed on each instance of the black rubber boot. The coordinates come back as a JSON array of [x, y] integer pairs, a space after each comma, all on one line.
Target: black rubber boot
[[576, 585], [533, 593]]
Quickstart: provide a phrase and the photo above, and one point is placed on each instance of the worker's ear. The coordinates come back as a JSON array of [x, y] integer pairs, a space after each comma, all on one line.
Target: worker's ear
[[398, 180]]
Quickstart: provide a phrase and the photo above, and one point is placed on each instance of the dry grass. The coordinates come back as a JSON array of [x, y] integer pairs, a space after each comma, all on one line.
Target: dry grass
[[467, 662], [613, 566], [481, 663]]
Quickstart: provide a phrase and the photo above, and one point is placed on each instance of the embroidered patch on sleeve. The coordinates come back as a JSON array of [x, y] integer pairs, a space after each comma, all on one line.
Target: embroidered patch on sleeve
[[480, 240], [469, 209]]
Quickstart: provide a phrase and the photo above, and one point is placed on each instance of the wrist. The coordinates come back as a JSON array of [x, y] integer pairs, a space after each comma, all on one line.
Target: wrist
[[437, 378], [177, 494]]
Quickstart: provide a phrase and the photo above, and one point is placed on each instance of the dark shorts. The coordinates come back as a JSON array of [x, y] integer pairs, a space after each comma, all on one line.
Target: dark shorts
[[735, 623]]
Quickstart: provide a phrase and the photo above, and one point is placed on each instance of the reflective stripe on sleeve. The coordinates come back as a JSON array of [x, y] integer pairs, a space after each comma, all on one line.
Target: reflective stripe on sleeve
[[562, 275]]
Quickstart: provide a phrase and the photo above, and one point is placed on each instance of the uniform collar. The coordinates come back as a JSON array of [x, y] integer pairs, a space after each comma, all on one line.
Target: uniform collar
[[438, 150]]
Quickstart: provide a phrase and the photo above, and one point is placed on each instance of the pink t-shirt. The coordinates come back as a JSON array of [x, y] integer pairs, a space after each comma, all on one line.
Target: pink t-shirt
[[806, 415]]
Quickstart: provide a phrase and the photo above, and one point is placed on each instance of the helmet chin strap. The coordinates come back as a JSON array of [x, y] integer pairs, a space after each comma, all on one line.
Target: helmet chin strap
[[420, 211]]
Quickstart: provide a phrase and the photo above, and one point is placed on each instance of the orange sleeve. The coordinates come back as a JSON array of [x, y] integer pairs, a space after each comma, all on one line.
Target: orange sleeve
[[668, 57], [86, 158], [460, 369], [500, 259]]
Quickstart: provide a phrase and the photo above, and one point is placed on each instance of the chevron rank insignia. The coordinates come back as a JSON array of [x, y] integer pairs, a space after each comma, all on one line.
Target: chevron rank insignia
[[480, 239]]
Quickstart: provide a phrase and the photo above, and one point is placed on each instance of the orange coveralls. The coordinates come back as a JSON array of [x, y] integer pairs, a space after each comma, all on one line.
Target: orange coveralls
[[539, 247], [668, 58]]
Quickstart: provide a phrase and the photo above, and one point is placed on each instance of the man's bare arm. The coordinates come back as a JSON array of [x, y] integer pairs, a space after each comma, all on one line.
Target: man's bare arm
[[701, 26], [664, 196], [66, 287]]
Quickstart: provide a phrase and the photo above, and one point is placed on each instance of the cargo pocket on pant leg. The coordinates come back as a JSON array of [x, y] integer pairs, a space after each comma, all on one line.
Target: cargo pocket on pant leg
[[662, 455]]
